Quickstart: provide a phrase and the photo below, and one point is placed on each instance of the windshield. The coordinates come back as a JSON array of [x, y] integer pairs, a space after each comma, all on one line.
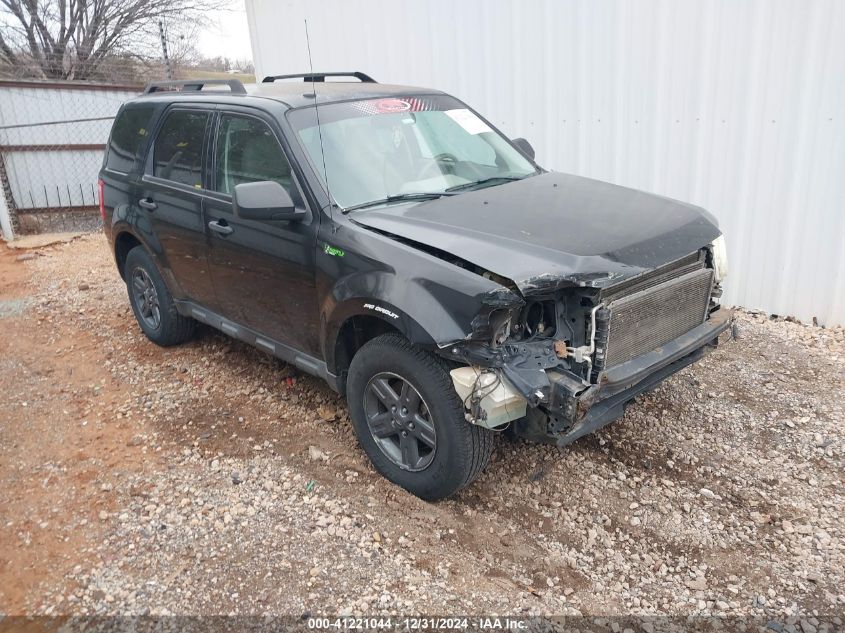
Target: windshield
[[378, 150]]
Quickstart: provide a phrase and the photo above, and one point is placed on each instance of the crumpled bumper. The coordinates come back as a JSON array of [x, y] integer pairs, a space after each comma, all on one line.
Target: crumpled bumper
[[574, 411]]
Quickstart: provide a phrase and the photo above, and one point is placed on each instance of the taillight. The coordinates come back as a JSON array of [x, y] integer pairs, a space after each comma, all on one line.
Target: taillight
[[101, 187]]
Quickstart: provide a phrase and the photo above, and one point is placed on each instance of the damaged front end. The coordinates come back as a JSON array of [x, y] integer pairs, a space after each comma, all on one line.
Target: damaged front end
[[562, 361]]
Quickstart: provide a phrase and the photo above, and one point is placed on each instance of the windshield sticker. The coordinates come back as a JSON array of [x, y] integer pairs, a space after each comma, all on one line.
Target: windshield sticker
[[468, 120], [393, 106]]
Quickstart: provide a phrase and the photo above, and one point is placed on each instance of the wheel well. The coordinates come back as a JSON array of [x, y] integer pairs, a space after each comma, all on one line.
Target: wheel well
[[124, 243], [353, 334]]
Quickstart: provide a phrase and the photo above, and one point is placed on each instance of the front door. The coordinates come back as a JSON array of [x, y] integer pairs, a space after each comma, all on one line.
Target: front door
[[171, 194], [263, 272]]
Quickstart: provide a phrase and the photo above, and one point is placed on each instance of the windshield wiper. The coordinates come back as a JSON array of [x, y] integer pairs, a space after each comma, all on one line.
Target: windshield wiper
[[400, 197], [484, 181]]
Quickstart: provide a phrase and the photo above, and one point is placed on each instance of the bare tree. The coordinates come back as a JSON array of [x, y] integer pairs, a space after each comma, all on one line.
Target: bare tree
[[70, 39]]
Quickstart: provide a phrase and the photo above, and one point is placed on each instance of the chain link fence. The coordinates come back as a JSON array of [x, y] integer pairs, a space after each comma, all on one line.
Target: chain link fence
[[52, 138]]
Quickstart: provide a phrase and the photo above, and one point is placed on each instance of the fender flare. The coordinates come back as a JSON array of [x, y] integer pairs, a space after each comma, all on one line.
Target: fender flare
[[333, 321], [125, 222], [125, 219]]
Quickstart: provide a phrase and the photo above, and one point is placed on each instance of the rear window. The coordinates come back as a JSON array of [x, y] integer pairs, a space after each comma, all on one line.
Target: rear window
[[178, 148], [128, 138]]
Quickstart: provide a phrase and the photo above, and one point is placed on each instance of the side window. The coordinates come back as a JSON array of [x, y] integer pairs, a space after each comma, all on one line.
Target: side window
[[247, 151], [128, 137], [177, 155]]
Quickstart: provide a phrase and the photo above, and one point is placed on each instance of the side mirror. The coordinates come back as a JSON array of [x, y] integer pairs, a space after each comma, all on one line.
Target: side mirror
[[265, 200], [524, 146]]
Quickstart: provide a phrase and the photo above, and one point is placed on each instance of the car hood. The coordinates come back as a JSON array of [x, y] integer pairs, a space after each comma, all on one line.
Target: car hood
[[552, 230]]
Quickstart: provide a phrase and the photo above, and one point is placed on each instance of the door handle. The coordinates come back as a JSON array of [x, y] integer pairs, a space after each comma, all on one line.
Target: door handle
[[223, 229], [148, 204]]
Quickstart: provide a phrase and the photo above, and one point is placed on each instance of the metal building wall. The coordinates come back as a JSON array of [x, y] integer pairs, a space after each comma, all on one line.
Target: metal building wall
[[52, 138], [735, 105]]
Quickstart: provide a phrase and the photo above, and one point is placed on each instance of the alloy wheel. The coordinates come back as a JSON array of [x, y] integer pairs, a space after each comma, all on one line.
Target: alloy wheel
[[146, 298], [400, 421]]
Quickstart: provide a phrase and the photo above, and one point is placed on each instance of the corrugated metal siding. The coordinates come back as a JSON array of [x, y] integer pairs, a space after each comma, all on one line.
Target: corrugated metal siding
[[736, 106], [52, 177], [55, 179]]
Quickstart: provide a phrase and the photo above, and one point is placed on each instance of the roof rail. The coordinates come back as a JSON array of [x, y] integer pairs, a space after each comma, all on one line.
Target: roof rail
[[309, 77], [194, 85]]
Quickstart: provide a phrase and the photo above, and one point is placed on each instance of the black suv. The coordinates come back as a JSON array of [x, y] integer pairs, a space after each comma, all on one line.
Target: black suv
[[390, 240]]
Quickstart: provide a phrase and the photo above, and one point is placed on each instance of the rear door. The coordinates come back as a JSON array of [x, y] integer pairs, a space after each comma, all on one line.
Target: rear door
[[263, 271], [171, 195]]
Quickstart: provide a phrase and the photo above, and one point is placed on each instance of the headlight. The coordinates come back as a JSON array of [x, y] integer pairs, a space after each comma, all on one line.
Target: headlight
[[720, 258]]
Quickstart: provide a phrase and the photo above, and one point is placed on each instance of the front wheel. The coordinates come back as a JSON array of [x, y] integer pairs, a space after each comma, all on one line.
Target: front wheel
[[410, 421]]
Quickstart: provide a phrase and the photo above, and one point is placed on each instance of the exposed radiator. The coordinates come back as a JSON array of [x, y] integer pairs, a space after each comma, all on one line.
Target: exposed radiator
[[656, 310]]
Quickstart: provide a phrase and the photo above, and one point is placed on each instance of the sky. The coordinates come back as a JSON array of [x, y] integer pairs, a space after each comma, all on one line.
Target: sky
[[228, 34]]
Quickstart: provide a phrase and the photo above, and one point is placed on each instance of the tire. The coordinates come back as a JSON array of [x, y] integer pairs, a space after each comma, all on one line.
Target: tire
[[163, 325], [461, 450]]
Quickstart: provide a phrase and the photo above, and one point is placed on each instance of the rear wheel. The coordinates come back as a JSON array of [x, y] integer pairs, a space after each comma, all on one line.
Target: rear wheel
[[410, 421], [152, 302]]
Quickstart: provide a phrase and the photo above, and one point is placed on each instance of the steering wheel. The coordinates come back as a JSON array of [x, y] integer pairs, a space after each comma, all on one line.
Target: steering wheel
[[441, 162]]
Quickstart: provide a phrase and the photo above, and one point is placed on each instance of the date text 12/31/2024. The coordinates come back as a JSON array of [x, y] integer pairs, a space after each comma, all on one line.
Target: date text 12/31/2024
[[418, 623]]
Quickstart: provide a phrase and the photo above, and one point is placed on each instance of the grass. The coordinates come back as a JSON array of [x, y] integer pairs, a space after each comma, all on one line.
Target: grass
[[190, 73]]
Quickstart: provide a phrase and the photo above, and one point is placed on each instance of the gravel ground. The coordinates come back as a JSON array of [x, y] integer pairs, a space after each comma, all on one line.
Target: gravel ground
[[211, 478]]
